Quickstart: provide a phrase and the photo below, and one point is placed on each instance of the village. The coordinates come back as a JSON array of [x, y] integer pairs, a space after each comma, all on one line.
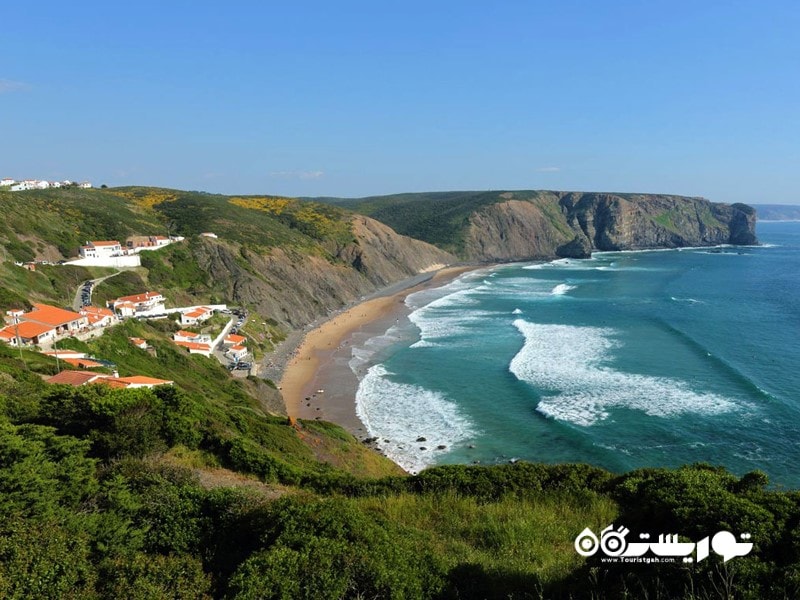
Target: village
[[40, 184], [44, 326]]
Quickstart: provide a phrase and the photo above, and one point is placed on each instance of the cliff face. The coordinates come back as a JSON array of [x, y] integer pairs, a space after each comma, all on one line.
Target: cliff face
[[294, 288], [574, 224]]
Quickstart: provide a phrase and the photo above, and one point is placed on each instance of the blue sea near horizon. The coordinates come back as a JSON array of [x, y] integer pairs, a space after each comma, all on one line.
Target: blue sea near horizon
[[625, 360]]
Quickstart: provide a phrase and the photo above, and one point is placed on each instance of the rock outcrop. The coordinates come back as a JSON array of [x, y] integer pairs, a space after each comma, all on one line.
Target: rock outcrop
[[571, 224]]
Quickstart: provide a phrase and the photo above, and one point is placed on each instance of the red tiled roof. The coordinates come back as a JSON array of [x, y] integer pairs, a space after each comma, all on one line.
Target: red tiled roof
[[75, 378], [96, 310], [52, 315], [83, 363], [197, 312], [232, 338], [111, 381], [187, 334], [194, 346], [28, 329], [138, 297]]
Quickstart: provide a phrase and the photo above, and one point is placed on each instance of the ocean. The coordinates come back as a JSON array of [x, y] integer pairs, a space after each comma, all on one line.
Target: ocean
[[625, 360]]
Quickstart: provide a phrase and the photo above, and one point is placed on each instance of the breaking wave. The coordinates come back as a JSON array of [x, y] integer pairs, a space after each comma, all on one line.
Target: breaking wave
[[569, 365], [401, 413]]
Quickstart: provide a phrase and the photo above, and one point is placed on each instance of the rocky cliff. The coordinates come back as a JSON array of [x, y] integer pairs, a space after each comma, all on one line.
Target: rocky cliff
[[295, 288], [549, 224]]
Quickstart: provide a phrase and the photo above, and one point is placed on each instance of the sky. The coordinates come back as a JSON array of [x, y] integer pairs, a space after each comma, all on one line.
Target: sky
[[351, 98]]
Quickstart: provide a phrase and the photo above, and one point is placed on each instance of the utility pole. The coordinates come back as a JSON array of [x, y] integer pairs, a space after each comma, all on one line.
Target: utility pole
[[19, 340]]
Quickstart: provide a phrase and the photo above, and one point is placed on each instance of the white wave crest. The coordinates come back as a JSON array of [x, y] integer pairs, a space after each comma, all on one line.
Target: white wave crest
[[567, 362], [561, 289], [401, 413]]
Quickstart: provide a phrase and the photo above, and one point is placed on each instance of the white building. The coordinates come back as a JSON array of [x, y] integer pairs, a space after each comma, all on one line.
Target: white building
[[104, 249], [7, 181], [21, 186], [188, 336], [196, 315], [131, 306], [85, 184]]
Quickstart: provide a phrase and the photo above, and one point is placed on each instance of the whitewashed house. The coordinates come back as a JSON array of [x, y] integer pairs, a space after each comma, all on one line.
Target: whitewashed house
[[196, 315], [102, 249], [188, 336], [132, 306], [7, 181], [22, 186]]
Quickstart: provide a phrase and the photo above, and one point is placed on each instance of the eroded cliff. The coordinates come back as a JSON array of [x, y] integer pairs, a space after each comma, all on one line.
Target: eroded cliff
[[295, 288], [549, 224]]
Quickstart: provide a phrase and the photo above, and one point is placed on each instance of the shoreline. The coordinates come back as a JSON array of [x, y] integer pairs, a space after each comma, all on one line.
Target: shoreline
[[317, 382]]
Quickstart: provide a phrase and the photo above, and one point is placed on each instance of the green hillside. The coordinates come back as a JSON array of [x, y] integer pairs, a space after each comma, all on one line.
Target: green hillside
[[38, 221], [50, 225], [439, 218]]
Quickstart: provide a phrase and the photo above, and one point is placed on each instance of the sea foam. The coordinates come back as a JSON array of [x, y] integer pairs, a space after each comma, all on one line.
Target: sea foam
[[401, 413], [561, 289], [569, 364]]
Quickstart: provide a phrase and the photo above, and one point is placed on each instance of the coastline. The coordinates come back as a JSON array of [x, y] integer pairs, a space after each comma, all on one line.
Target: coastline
[[320, 360]]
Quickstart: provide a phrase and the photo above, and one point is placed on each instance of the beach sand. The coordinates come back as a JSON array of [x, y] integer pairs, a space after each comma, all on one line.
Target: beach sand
[[317, 381]]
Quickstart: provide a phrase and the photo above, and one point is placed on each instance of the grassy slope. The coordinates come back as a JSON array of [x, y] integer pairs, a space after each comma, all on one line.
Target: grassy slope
[[441, 218]]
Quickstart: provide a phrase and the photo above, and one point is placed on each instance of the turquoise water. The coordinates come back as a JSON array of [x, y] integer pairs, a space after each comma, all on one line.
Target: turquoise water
[[626, 360]]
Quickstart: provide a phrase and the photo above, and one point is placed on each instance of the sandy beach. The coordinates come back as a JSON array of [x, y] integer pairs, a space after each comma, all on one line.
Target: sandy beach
[[317, 381]]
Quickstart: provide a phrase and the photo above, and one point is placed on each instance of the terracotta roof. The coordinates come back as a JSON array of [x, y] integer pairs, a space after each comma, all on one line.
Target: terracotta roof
[[96, 310], [83, 363], [137, 341], [138, 297], [188, 334], [197, 312], [238, 348], [52, 315], [194, 346], [235, 339], [111, 381], [75, 378], [28, 329], [6, 334]]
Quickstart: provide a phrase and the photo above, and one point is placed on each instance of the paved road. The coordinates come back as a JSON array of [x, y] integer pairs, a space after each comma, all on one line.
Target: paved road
[[77, 302]]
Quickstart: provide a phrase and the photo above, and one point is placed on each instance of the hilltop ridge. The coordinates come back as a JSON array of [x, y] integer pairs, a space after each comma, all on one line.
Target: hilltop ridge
[[519, 225]]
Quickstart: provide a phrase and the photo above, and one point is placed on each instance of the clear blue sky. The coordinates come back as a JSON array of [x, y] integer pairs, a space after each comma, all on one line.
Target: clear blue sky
[[357, 98]]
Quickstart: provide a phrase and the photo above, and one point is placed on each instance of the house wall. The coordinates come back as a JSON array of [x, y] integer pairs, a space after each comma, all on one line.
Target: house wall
[[109, 261]]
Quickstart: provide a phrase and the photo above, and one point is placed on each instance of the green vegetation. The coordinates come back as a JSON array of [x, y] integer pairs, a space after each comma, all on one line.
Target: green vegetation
[[49, 283], [156, 494], [439, 218], [197, 491]]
